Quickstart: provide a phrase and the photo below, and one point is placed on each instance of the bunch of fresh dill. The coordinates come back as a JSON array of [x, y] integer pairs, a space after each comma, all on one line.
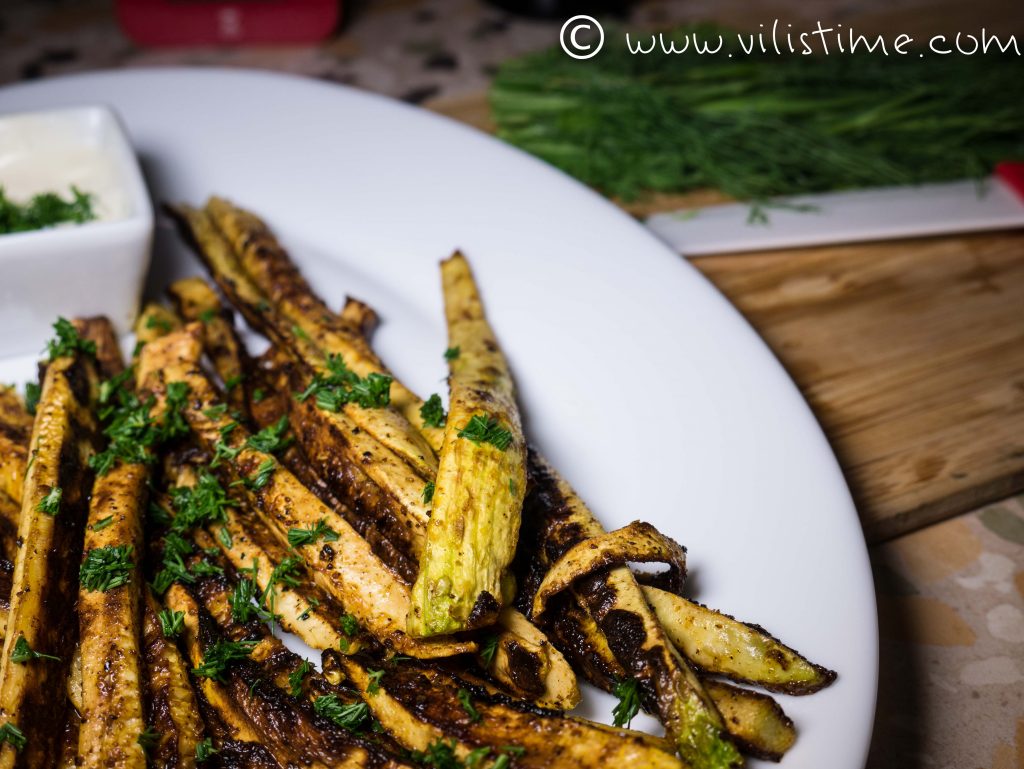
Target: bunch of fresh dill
[[759, 126]]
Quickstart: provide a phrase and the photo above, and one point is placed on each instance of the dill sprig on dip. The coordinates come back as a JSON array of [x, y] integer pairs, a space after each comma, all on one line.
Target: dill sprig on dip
[[47, 209], [760, 126]]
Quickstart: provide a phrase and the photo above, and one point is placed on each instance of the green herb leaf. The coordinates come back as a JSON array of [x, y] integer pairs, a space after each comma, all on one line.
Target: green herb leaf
[[32, 393], [105, 568], [219, 657], [432, 412], [22, 653], [205, 749], [103, 523], [171, 622], [46, 209], [488, 649], [628, 692], [270, 439], [67, 341], [452, 353], [224, 537], [261, 477], [201, 504], [208, 314], [467, 705], [349, 625], [148, 739], [12, 735], [428, 493], [299, 537], [352, 716], [483, 429], [161, 324], [50, 504], [296, 676], [373, 685]]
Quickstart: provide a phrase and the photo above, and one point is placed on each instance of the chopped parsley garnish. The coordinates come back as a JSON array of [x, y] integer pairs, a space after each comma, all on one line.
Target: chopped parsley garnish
[[343, 386], [208, 314], [284, 574], [161, 324], [432, 412], [349, 624], [203, 503], [233, 382], [242, 607], [488, 649], [218, 657], [12, 735], [103, 523], [270, 439], [105, 568], [174, 569], [224, 537], [428, 493], [32, 393], [313, 603], [467, 705], [452, 353], [352, 716], [171, 622], [205, 749], [68, 341], [628, 692], [296, 676], [261, 477], [439, 755], [131, 432], [258, 395], [373, 685], [23, 653], [148, 738], [483, 429], [215, 412], [50, 504], [301, 333], [299, 537], [224, 452], [46, 209]]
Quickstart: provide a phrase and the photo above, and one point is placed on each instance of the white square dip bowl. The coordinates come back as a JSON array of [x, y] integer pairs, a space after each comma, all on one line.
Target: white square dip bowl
[[93, 268]]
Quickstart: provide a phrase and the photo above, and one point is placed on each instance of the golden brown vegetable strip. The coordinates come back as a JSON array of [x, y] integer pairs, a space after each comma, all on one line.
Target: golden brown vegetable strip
[[344, 446], [718, 643], [755, 721], [173, 710], [195, 300], [638, 542], [555, 520], [345, 568], [6, 578], [286, 726], [45, 582], [546, 739], [271, 269], [109, 603], [110, 623], [153, 322], [362, 317], [15, 431], [478, 496]]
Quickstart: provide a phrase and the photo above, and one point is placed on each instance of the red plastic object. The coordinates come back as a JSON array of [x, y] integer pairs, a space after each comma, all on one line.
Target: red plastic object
[[1013, 175], [211, 22]]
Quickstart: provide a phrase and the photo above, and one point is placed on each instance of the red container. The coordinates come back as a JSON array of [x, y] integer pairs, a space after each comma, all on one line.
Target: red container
[[211, 22]]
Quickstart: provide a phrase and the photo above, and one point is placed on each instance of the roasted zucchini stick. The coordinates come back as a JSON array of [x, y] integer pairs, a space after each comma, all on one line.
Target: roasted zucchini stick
[[196, 301], [45, 581], [153, 322], [337, 445], [15, 431], [345, 568], [478, 497], [720, 644], [272, 270], [173, 710], [110, 625], [556, 521]]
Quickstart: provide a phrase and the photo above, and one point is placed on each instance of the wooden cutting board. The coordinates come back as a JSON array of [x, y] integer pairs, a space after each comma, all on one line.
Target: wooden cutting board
[[911, 353]]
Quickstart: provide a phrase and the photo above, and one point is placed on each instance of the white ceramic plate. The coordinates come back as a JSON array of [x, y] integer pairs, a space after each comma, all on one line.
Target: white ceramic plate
[[638, 380]]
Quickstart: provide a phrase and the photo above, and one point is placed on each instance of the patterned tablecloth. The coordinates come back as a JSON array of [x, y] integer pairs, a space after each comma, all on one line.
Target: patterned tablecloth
[[951, 597]]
